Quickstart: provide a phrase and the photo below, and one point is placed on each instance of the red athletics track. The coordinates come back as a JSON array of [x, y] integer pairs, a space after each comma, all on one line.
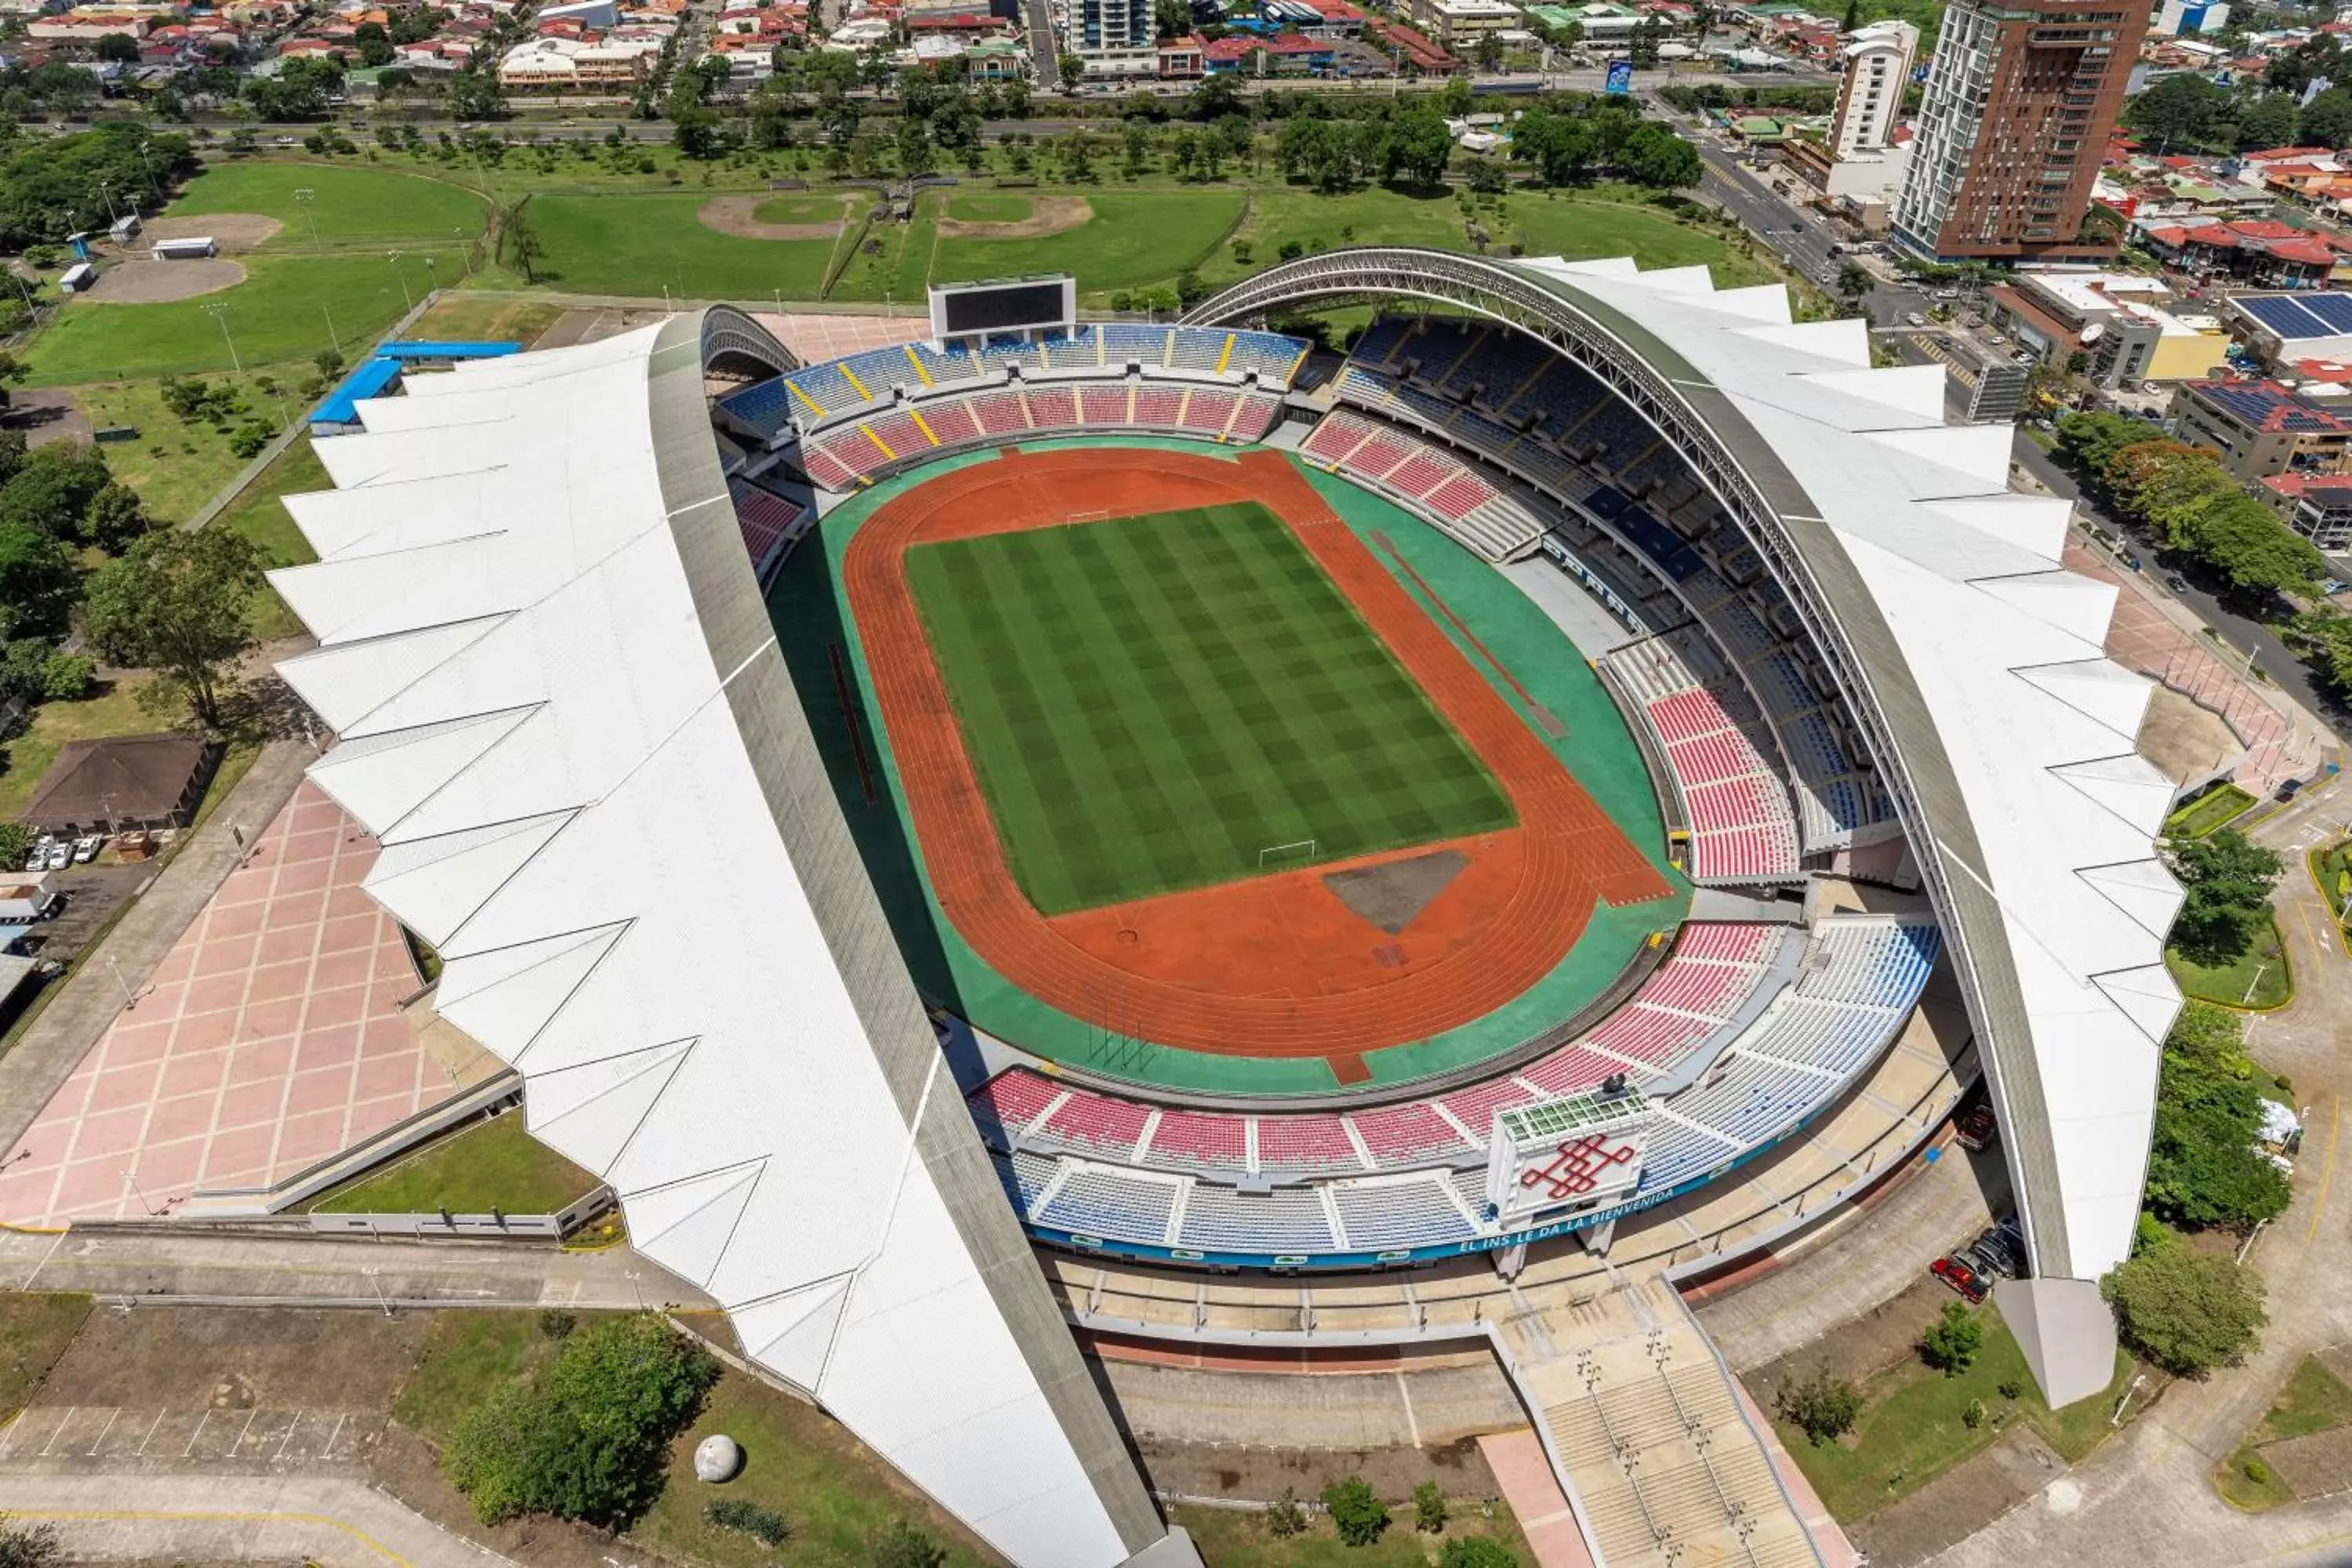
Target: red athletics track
[[1199, 970]]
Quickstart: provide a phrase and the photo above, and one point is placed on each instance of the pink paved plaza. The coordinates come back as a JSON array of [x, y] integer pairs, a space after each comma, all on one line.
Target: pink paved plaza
[[268, 1038]]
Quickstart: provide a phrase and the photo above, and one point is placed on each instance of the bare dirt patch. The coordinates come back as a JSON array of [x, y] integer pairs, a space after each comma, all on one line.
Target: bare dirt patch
[[1959, 1502], [734, 215], [232, 232], [1047, 215], [157, 282], [237, 1359]]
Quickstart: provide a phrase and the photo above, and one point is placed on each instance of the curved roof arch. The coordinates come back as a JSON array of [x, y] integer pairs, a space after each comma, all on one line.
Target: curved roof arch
[[1973, 661]]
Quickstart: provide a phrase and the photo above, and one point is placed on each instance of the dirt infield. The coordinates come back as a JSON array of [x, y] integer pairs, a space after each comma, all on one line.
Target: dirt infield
[[734, 215], [1047, 215], [157, 282], [1270, 966], [234, 232]]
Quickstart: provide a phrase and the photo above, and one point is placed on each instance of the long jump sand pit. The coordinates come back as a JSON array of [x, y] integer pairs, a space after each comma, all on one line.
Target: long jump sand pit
[[1047, 215], [739, 215], [158, 282], [232, 232]]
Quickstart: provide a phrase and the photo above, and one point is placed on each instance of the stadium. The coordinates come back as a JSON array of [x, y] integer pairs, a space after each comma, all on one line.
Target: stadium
[[1279, 832]]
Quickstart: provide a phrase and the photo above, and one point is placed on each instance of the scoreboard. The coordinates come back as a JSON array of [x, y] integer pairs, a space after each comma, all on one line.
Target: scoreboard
[[1547, 1160], [1003, 307]]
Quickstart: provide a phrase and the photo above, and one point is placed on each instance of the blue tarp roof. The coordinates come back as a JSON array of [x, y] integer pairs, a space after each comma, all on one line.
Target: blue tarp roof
[[370, 380], [428, 350]]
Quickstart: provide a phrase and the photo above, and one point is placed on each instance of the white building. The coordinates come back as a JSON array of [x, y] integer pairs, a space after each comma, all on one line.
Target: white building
[[1877, 69]]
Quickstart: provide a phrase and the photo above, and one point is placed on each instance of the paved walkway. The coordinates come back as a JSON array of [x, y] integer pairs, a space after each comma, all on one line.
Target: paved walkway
[[1525, 1473], [143, 1518], [38, 1065]]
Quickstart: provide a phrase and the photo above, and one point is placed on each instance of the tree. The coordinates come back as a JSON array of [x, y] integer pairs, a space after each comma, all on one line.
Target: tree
[[476, 95], [2229, 879], [1428, 1507], [2188, 1311], [120, 47], [52, 487], [695, 131], [585, 1438], [114, 518], [1073, 68], [2203, 1167], [1854, 281], [1476, 1551], [903, 1546], [1358, 1514], [1172, 18], [374, 43], [1655, 156], [15, 843], [1951, 1343], [914, 155], [1821, 1406], [33, 669], [37, 577], [1283, 1517], [29, 1545], [2327, 118], [329, 362], [1418, 148], [2182, 111], [518, 242], [2268, 122], [177, 603]]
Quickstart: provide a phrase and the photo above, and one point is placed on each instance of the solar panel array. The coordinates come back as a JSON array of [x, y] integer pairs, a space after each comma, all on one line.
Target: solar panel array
[[2305, 316], [2257, 405]]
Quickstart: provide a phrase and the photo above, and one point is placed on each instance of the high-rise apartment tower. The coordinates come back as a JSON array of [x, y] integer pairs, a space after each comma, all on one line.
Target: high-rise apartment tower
[[1877, 69], [2020, 100]]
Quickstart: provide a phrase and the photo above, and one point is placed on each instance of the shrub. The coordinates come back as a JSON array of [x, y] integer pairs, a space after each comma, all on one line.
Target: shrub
[[1951, 1345], [2256, 1472], [555, 1323], [1360, 1516], [903, 1546], [2186, 1311], [1291, 250], [1973, 1416], [585, 1438], [15, 843], [1428, 1508], [1476, 1551], [1822, 1407], [249, 438], [764, 1525], [1285, 1518], [2011, 1388]]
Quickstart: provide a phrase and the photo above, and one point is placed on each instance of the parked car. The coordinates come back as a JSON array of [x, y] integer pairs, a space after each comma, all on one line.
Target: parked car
[[87, 846], [2176, 582], [1971, 1284], [1975, 1126], [1916, 320], [61, 857], [2001, 1250]]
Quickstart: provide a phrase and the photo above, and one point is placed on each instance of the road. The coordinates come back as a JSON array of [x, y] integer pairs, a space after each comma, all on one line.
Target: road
[[138, 1516]]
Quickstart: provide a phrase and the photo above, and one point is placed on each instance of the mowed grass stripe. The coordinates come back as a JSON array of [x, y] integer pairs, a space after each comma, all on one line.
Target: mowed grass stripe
[[1150, 702]]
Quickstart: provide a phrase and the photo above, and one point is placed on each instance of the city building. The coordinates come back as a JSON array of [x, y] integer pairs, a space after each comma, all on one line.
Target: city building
[[2124, 322], [1114, 24], [1870, 101], [2285, 330], [2263, 427], [2317, 506], [1459, 24], [2020, 101], [2180, 16]]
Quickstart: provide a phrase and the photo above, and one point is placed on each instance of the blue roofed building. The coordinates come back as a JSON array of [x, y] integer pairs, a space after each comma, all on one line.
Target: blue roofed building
[[2264, 428]]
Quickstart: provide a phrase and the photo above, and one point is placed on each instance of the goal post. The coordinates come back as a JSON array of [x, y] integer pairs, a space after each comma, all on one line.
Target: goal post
[[1275, 854], [1079, 517]]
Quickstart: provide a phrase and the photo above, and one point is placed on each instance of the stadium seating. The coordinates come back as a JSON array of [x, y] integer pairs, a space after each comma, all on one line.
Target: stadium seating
[[951, 421], [1743, 821], [1435, 483], [764, 406], [1201, 1139], [1099, 1200], [770, 525], [1401, 1135], [1096, 1124], [1385, 1213], [1306, 1145], [1286, 1221], [1104, 405]]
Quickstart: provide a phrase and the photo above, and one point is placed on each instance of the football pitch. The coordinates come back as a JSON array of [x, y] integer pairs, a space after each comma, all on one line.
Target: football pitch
[[1165, 702]]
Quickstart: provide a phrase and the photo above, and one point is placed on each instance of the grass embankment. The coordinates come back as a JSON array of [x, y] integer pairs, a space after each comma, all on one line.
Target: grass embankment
[[2207, 813], [2314, 1400], [2331, 872], [2259, 979], [176, 466], [35, 1331], [1913, 1425], [493, 1164], [836, 1496], [1230, 1539], [259, 514]]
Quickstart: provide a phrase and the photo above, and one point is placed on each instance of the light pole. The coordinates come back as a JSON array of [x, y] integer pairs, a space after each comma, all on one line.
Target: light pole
[[303, 198], [332, 336], [220, 313], [464, 251], [407, 303]]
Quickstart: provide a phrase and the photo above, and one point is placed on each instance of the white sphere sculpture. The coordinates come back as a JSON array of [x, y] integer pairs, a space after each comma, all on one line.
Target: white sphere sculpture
[[717, 1458]]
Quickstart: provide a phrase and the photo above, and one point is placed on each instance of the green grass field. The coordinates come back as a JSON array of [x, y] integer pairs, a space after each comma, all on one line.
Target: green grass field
[[489, 1165], [2260, 978], [828, 208], [1151, 702], [1135, 238], [981, 208], [634, 244], [345, 205]]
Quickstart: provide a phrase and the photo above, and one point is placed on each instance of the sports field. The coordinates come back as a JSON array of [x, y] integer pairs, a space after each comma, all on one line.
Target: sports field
[[1164, 703]]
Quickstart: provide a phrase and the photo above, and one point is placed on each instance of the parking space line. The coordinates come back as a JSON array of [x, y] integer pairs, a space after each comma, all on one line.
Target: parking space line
[[290, 1426], [196, 1434], [8, 1433], [329, 1451], [104, 1430], [233, 1448], [59, 1432], [141, 1450]]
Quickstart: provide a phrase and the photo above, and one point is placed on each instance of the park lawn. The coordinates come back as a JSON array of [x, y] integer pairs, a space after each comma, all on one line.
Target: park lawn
[[1911, 1429], [1136, 239], [281, 311], [1153, 704], [1580, 226], [493, 1164], [985, 208], [893, 260], [2314, 1400], [2206, 812], [2260, 978], [34, 1330], [1231, 1538], [347, 206], [1376, 215], [635, 245], [115, 709], [830, 207], [466, 1354], [176, 468], [836, 1496], [458, 317]]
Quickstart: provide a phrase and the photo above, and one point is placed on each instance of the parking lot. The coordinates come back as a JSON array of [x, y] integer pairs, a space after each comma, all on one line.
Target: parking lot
[[114, 1438]]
